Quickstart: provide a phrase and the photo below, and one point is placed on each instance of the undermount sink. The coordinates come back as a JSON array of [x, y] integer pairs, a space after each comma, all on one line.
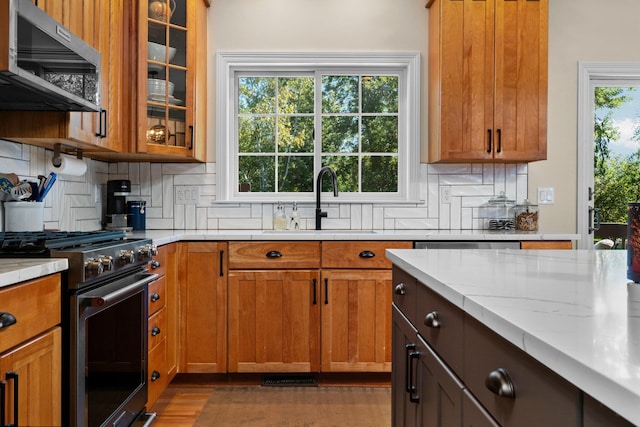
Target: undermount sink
[[319, 232]]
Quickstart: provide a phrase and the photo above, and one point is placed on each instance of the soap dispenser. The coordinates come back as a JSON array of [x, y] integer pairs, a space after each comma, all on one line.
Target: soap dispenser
[[294, 222], [279, 218]]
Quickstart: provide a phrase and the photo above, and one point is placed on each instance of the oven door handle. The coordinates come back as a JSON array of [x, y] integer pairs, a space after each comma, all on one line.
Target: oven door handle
[[101, 301]]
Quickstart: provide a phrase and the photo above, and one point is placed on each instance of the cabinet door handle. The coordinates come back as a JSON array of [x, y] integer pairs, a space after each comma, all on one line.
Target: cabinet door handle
[[499, 383], [400, 289], [326, 290], [6, 319], [221, 263], [490, 147], [432, 320], [155, 375], [155, 297], [414, 397], [499, 140], [191, 129], [155, 264], [314, 291], [155, 331], [274, 254], [367, 254], [2, 403], [14, 376], [408, 348]]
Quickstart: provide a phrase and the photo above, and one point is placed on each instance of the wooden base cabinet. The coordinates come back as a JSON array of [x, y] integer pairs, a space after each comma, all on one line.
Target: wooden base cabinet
[[203, 307], [31, 352], [274, 321], [356, 320]]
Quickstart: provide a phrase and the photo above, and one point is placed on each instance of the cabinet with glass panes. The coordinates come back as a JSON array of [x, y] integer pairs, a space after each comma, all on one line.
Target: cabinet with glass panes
[[172, 51]]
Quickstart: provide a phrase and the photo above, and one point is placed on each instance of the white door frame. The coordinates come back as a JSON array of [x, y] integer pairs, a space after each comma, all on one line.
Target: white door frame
[[591, 75]]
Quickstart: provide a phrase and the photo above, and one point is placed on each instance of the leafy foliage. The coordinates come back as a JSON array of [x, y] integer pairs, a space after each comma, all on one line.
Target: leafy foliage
[[358, 130]]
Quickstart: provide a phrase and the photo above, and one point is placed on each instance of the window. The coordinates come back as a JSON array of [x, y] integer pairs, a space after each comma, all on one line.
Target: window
[[283, 117]]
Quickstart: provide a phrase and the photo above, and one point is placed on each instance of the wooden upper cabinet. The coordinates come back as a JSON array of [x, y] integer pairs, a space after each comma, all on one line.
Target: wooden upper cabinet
[[170, 82], [488, 80]]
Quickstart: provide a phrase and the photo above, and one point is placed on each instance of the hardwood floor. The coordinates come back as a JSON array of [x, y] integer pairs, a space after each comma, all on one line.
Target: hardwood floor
[[256, 406]]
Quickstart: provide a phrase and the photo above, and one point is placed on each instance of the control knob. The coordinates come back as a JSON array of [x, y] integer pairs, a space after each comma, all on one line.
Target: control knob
[[107, 262], [127, 257], [147, 252], [93, 267]]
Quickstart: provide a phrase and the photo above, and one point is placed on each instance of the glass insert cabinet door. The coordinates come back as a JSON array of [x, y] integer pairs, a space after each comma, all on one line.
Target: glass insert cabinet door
[[165, 36]]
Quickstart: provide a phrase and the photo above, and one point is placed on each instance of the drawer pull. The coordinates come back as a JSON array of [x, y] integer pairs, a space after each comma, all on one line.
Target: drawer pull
[[155, 375], [6, 319], [274, 254], [155, 264], [155, 297], [432, 320], [315, 291], [155, 331], [499, 383], [400, 289], [408, 348], [366, 254]]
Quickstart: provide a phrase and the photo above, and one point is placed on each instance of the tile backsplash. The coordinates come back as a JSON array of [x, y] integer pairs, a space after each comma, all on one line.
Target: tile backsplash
[[78, 203]]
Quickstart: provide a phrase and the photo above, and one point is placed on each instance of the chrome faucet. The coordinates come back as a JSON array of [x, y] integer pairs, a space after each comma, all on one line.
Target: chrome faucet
[[334, 178]]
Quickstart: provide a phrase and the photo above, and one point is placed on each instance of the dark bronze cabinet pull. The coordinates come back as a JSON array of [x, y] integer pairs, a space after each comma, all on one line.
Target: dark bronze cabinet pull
[[221, 263], [326, 291], [400, 289], [14, 376], [192, 132], [499, 140], [6, 319], [414, 397], [499, 383], [409, 348], [314, 291], [367, 254], [155, 375], [274, 254], [155, 264], [490, 147], [432, 320], [155, 331], [155, 297]]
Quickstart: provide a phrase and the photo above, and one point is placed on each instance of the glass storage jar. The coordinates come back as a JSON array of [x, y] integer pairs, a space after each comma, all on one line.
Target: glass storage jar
[[526, 216], [497, 213]]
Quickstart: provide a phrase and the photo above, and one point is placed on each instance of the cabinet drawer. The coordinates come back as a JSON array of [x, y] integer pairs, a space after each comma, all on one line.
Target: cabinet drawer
[[157, 295], [441, 324], [34, 304], [157, 372], [278, 255], [159, 263], [405, 293], [157, 327], [541, 398], [359, 254]]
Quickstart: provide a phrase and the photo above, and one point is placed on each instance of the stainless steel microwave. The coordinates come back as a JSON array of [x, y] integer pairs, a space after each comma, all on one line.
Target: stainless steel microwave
[[43, 66]]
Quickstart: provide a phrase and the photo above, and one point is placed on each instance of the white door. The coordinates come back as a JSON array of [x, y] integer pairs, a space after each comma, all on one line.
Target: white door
[[592, 75]]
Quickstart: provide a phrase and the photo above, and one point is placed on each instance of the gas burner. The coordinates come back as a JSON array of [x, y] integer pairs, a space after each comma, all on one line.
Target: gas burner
[[40, 243]]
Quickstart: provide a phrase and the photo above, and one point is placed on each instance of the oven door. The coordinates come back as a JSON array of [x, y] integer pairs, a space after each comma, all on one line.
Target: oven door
[[108, 357]]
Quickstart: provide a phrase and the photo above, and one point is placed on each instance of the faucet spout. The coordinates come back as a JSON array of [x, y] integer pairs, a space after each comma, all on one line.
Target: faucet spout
[[334, 179]]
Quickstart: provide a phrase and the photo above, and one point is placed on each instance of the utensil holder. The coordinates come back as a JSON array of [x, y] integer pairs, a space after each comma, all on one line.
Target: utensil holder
[[23, 216]]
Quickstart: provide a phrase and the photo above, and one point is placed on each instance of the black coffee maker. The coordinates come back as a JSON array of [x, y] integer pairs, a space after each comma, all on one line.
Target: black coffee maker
[[117, 192]]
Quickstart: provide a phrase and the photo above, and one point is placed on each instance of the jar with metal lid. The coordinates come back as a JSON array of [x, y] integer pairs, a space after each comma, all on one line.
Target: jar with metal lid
[[526, 216], [497, 213]]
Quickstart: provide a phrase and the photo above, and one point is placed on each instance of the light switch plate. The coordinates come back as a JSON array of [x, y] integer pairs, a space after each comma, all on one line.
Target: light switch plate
[[187, 195], [546, 196]]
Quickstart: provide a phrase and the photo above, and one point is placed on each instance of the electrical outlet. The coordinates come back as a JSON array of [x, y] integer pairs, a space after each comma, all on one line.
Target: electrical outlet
[[445, 195], [187, 195]]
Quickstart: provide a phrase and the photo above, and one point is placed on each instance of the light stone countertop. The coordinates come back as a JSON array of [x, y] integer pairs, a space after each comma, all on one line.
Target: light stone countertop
[[572, 310], [162, 237], [18, 270]]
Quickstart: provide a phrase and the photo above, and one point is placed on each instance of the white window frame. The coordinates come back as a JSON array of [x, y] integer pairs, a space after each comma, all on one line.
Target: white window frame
[[406, 64]]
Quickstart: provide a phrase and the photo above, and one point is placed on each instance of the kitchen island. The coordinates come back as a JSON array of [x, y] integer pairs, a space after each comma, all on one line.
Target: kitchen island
[[575, 312]]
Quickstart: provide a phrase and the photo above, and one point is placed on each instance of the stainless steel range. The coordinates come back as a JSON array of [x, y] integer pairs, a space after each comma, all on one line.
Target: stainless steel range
[[104, 321]]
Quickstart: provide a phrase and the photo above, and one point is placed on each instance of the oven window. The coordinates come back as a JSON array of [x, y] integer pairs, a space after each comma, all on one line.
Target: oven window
[[115, 360]]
